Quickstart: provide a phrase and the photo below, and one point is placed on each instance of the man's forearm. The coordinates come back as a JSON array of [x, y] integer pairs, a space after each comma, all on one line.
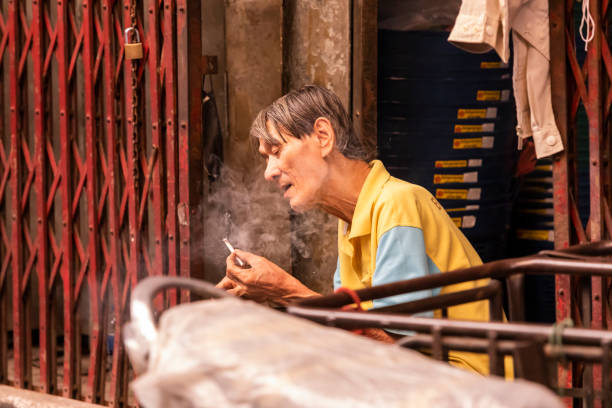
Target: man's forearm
[[297, 293]]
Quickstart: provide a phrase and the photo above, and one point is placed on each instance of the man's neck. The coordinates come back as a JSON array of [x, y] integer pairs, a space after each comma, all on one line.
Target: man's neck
[[346, 179]]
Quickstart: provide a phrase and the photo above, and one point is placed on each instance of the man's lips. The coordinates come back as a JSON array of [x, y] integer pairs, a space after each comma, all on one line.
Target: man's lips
[[286, 188]]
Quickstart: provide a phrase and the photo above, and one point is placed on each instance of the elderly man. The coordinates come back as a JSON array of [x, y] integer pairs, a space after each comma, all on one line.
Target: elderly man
[[388, 230]]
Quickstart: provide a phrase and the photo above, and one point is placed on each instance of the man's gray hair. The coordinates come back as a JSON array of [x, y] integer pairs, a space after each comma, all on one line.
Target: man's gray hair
[[295, 113]]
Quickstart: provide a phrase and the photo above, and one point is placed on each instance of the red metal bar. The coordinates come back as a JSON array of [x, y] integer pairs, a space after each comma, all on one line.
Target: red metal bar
[[189, 77], [50, 49], [578, 77], [3, 329], [5, 250], [146, 189], [114, 172], [561, 196], [15, 205], [155, 106], [182, 66], [26, 45], [91, 147], [594, 112], [133, 174], [77, 47], [168, 62], [593, 107], [607, 60], [47, 376], [67, 267], [576, 221], [4, 37]]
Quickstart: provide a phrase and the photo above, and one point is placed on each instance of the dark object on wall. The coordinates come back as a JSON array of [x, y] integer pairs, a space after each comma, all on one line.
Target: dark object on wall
[[213, 138]]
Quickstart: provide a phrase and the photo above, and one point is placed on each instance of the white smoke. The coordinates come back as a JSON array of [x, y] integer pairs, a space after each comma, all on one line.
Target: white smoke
[[254, 216]]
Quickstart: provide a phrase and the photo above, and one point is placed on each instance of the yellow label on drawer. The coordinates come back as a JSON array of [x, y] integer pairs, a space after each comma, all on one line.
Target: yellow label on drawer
[[450, 210], [457, 221], [544, 167], [471, 113], [450, 163], [471, 143], [485, 142], [471, 207], [447, 178], [451, 194], [536, 235], [468, 128], [540, 200], [537, 189], [488, 95], [539, 211], [544, 180], [492, 64]]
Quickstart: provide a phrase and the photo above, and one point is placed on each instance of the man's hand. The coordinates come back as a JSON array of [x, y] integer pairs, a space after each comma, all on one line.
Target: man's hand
[[263, 281]]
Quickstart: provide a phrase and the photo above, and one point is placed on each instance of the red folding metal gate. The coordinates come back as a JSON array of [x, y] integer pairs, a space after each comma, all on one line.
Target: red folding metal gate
[[100, 181], [589, 303]]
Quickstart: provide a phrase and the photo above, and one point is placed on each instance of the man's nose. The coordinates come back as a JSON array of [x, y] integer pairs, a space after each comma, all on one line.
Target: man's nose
[[272, 172]]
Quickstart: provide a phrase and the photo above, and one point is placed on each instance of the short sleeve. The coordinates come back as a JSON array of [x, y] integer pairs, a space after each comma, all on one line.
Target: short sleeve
[[337, 281], [400, 256]]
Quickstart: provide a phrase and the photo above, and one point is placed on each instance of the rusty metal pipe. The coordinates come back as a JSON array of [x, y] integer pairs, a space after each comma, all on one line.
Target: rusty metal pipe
[[538, 264], [598, 248], [351, 319], [445, 300], [505, 347]]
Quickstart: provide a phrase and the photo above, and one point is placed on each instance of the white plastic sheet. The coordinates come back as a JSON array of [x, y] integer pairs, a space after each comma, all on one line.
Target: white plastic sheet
[[233, 353]]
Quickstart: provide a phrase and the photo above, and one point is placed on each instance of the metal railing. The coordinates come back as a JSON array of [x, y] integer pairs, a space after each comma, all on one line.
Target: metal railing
[[538, 350]]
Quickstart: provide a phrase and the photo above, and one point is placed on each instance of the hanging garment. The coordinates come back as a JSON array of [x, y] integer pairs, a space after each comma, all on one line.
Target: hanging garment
[[483, 25]]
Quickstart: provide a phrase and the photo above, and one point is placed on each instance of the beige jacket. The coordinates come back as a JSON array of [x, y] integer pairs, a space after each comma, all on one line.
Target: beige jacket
[[483, 25]]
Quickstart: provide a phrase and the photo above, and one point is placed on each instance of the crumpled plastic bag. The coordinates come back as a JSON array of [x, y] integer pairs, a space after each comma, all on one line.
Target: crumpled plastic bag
[[234, 353]]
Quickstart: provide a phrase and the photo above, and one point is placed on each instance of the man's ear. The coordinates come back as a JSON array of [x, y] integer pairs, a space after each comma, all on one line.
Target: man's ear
[[326, 137]]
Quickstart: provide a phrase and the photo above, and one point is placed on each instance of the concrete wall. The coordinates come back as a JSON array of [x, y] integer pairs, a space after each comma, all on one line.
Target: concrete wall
[[317, 50], [213, 43], [254, 69], [270, 47], [259, 219], [317, 45]]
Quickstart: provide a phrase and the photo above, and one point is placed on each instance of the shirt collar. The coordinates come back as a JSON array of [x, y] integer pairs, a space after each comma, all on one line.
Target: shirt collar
[[362, 217]]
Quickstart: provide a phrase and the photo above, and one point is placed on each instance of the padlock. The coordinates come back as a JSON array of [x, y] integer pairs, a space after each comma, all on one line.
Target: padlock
[[132, 50]]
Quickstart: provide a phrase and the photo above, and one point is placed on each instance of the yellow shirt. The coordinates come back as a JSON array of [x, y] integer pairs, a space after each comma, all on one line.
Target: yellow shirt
[[399, 231]]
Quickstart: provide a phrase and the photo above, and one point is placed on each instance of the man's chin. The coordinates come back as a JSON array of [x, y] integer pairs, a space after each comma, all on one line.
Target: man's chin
[[299, 207]]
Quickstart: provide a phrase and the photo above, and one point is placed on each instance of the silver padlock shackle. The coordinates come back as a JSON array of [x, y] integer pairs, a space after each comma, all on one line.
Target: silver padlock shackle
[[127, 31]]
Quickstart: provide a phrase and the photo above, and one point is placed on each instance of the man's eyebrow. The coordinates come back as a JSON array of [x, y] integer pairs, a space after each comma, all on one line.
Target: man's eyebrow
[[262, 153]]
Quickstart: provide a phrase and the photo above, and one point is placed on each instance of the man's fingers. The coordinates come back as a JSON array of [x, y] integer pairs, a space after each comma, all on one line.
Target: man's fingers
[[235, 272], [246, 256], [237, 291], [232, 263], [226, 283]]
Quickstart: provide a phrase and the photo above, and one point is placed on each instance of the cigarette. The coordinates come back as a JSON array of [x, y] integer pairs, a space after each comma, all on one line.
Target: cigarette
[[229, 246]]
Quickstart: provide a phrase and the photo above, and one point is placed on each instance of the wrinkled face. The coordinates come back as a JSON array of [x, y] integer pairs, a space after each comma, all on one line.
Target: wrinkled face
[[297, 166]]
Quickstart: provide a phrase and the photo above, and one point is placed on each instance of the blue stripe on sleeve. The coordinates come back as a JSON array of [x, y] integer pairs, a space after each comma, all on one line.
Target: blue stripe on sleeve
[[401, 255], [337, 281]]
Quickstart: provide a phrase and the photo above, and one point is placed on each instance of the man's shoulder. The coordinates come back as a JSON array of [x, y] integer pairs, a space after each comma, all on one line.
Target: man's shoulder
[[401, 203], [396, 189]]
